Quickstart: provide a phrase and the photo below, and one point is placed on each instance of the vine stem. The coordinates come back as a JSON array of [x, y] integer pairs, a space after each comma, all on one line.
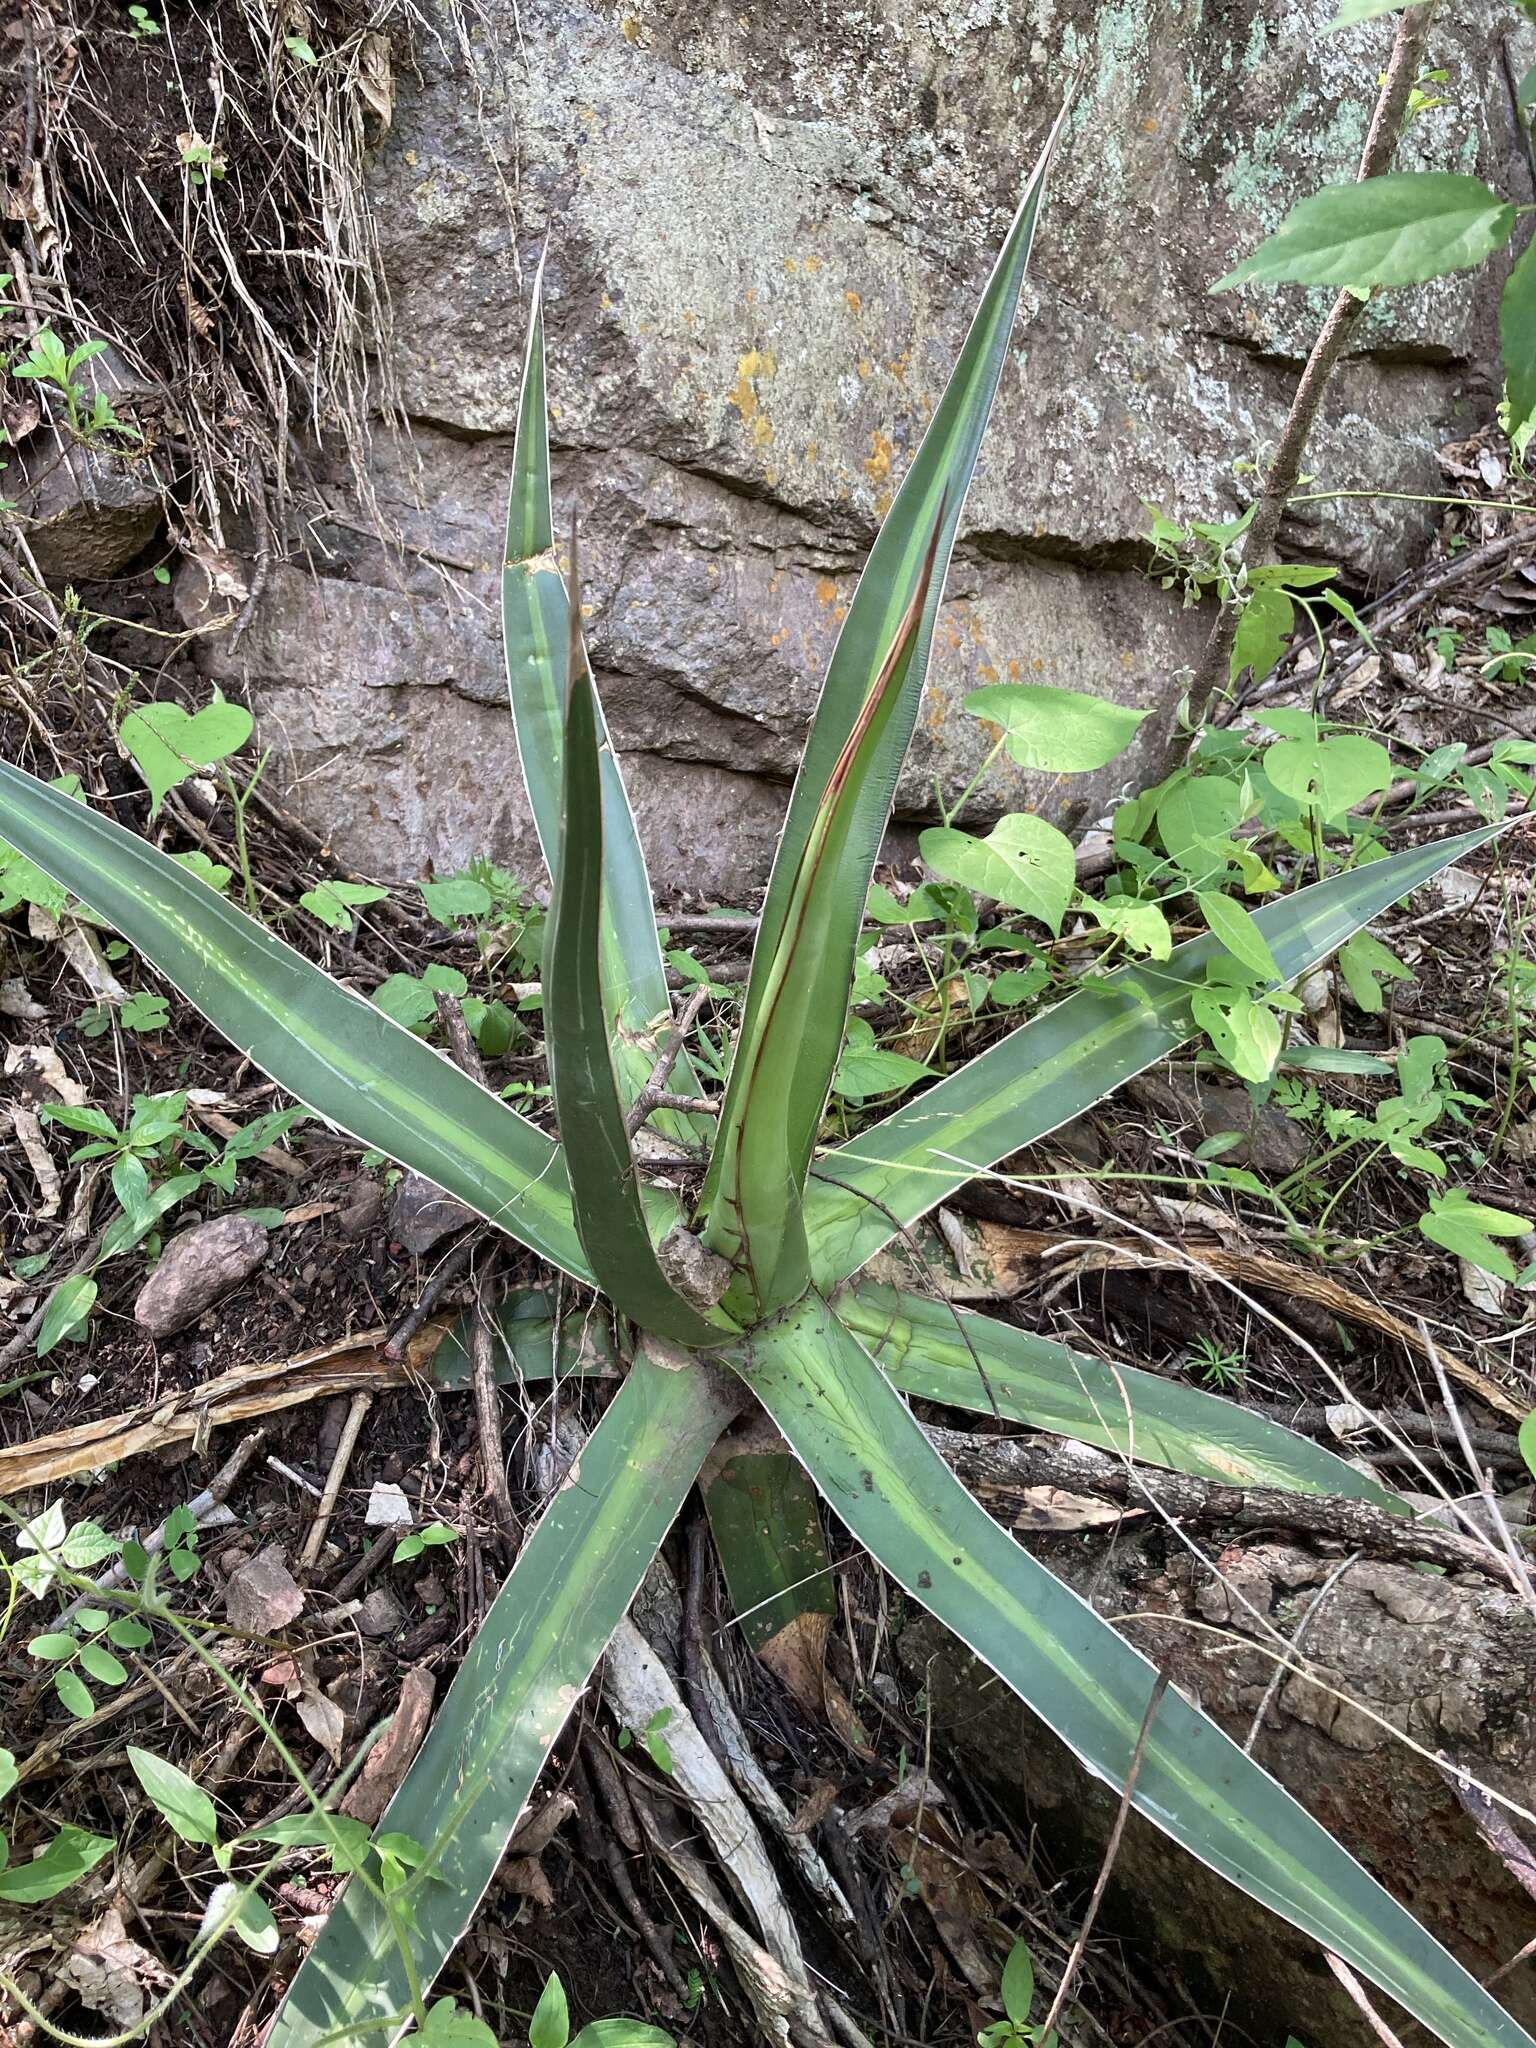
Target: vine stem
[[1327, 351]]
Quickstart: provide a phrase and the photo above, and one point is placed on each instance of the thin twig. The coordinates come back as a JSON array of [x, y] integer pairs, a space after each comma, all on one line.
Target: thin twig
[[346, 1443], [1111, 1851], [653, 1095], [1357, 1992], [454, 1262]]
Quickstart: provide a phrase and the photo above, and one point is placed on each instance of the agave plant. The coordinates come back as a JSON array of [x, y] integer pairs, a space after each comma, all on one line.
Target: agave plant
[[753, 1295]]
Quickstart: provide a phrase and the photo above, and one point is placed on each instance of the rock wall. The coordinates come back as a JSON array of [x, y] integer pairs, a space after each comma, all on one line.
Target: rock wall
[[766, 230]]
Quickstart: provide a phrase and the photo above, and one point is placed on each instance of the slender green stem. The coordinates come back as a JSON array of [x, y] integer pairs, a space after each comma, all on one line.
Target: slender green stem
[[949, 812], [240, 798]]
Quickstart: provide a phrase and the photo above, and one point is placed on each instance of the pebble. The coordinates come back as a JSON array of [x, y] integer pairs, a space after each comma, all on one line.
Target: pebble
[[195, 1269]]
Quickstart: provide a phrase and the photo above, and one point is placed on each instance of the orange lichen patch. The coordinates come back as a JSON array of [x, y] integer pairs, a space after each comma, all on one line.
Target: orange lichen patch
[[853, 302], [877, 464], [1149, 126], [754, 364], [865, 366], [1127, 661], [791, 264], [826, 590], [884, 502], [1013, 670], [898, 365], [812, 265], [839, 612], [810, 451]]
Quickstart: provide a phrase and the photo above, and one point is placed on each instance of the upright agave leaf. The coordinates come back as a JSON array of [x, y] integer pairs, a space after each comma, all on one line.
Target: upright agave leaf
[[535, 617], [1065, 1060], [786, 1055], [882, 1477], [339, 1055], [605, 1189], [907, 565], [537, 1647], [988, 1367]]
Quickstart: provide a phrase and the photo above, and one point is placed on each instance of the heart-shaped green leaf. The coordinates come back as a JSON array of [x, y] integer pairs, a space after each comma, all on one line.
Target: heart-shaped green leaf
[[1023, 862], [1064, 731], [1333, 774], [168, 744]]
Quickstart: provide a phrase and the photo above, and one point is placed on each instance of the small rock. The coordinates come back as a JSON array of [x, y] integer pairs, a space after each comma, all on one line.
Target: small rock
[[381, 1613], [1270, 1141], [420, 1215], [262, 1596], [88, 509], [195, 1269], [388, 1508], [364, 1211]]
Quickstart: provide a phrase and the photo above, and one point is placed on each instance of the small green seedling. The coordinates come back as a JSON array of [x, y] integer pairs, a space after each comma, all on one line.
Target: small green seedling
[[1018, 1991], [143, 1012], [653, 1741], [417, 1540], [202, 161], [550, 2027], [90, 413], [1218, 1365], [334, 902]]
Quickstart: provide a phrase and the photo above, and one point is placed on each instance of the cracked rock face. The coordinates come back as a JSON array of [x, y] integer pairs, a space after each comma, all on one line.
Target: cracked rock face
[[767, 229]]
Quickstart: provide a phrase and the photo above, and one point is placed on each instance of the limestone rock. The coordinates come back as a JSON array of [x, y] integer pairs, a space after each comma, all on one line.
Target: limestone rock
[[87, 512], [262, 1596], [85, 508], [195, 1269], [1196, 1110], [421, 1215], [738, 382]]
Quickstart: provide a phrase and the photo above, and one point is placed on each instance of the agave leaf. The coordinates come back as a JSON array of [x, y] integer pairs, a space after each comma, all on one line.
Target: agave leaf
[[973, 1362], [1068, 1058], [536, 1649], [884, 1479], [535, 619], [605, 1189], [785, 1058], [908, 563], [336, 1053], [533, 1342], [765, 1517]]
